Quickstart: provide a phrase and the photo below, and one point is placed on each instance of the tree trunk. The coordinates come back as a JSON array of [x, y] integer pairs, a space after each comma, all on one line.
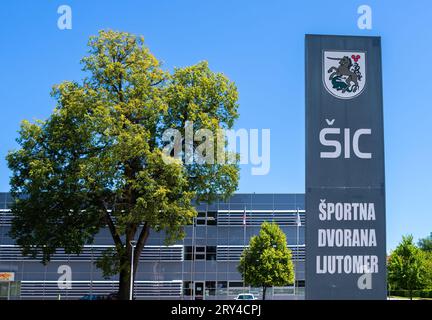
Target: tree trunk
[[125, 261], [125, 265], [124, 280], [264, 293]]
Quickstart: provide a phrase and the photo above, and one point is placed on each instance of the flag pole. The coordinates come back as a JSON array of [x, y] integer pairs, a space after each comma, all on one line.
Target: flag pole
[[244, 247], [298, 224]]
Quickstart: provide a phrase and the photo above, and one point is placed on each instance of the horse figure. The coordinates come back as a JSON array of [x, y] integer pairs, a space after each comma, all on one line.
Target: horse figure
[[344, 69]]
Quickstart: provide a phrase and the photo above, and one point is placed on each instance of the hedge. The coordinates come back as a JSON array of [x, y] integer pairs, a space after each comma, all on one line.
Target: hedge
[[415, 293]]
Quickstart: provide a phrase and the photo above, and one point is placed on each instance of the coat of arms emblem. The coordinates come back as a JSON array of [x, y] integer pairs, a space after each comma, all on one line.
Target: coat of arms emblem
[[344, 73]]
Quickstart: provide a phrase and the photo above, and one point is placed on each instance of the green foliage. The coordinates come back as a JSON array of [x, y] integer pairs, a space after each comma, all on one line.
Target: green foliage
[[414, 293], [428, 269], [109, 262], [426, 243], [267, 261], [97, 160], [407, 267], [208, 100]]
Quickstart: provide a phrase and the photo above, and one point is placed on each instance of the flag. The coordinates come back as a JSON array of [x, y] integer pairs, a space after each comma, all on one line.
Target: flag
[[298, 222]]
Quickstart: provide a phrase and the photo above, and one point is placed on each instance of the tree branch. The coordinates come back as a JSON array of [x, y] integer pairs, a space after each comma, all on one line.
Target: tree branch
[[156, 83], [117, 240], [142, 239]]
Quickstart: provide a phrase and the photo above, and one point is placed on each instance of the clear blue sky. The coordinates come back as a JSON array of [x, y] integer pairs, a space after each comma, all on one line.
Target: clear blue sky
[[257, 44]]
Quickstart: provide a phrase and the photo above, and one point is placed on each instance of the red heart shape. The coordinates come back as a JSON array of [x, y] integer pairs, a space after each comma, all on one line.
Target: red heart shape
[[355, 57]]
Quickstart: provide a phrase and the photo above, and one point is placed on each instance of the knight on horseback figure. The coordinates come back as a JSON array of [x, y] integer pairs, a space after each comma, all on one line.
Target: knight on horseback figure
[[345, 74]]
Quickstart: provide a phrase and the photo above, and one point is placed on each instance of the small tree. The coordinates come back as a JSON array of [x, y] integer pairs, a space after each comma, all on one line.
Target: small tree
[[267, 261], [406, 267]]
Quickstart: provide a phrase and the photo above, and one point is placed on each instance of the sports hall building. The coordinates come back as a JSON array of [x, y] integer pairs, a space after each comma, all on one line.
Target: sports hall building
[[201, 266]]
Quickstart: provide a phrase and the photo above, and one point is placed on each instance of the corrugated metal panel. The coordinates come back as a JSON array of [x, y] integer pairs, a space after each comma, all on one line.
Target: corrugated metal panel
[[233, 253], [89, 253], [50, 289]]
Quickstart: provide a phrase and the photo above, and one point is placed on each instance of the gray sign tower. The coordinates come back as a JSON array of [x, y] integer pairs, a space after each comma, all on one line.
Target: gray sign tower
[[345, 181]]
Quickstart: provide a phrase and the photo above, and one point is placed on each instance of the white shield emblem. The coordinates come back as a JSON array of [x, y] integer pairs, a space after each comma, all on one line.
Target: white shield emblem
[[344, 73]]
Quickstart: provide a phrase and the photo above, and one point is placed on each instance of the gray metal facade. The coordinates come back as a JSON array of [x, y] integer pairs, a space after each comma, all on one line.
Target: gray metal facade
[[201, 266]]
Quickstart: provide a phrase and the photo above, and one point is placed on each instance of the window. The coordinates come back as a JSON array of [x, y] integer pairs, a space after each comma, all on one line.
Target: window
[[10, 289], [211, 253], [188, 253], [206, 218], [187, 288], [200, 252], [300, 283], [235, 288], [212, 218], [235, 284], [201, 218], [210, 288], [222, 288]]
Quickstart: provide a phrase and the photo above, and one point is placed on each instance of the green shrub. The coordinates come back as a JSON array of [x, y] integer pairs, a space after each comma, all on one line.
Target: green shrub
[[427, 293], [398, 293]]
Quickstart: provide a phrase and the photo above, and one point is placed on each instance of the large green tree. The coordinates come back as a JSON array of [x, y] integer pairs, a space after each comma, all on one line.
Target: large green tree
[[97, 161], [267, 261], [426, 243], [428, 269], [406, 267]]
